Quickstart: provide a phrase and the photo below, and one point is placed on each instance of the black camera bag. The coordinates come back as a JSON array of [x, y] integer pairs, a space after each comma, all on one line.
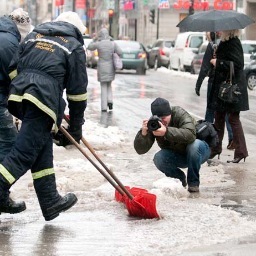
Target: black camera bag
[[207, 131]]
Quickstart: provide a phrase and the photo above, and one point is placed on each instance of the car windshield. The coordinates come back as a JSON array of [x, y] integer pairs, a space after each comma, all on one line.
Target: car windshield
[[168, 44], [249, 48], [129, 44]]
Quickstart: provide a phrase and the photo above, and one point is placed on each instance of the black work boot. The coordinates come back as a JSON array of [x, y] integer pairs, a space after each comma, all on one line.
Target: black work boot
[[62, 205], [51, 203], [7, 205], [12, 207]]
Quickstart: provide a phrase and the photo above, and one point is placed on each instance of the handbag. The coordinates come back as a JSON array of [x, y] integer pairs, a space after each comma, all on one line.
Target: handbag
[[118, 63], [229, 92]]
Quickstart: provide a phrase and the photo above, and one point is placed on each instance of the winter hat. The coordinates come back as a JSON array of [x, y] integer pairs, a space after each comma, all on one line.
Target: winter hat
[[22, 20], [72, 18], [160, 107]]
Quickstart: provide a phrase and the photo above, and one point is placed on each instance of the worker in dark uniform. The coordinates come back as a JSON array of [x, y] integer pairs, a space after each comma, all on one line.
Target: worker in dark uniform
[[13, 29], [51, 59]]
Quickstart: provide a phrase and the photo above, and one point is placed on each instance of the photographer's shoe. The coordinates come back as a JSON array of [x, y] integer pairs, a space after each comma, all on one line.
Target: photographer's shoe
[[62, 205], [193, 189], [12, 207], [184, 182]]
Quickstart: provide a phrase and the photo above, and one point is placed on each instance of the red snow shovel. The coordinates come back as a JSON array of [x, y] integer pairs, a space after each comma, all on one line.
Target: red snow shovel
[[139, 202]]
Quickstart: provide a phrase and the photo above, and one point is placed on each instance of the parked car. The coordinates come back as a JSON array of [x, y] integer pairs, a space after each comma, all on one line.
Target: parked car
[[250, 72], [134, 55], [249, 47], [91, 56], [159, 53], [185, 48], [198, 59]]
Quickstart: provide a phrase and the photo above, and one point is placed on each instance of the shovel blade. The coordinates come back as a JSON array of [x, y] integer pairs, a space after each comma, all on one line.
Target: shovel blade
[[143, 205], [134, 191]]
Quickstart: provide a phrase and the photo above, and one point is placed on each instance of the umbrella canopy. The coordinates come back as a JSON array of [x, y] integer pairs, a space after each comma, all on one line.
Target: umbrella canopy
[[215, 20]]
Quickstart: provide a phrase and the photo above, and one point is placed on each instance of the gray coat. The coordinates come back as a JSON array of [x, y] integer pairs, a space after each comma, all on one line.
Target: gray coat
[[105, 46]]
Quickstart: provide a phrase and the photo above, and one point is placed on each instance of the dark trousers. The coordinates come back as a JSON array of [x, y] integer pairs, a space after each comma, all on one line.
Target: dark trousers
[[238, 133], [8, 131], [209, 114], [170, 162], [33, 150]]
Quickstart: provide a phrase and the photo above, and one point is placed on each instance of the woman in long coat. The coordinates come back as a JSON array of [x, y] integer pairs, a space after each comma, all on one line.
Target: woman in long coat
[[105, 67], [229, 49]]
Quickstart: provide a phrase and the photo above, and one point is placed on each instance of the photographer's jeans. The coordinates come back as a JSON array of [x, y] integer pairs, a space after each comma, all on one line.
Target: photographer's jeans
[[169, 162], [8, 131]]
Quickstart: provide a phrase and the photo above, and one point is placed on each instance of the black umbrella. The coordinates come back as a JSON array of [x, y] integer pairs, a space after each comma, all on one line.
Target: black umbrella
[[215, 20]]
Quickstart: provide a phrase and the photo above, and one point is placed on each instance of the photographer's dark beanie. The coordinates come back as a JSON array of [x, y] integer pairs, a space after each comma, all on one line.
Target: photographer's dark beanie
[[160, 107]]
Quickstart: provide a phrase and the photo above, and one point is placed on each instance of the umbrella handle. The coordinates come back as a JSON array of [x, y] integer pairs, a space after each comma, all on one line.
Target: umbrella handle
[[66, 133]]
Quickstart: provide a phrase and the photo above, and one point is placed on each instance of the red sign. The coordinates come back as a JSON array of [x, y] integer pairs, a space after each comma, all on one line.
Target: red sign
[[218, 5], [59, 2], [80, 4], [91, 13], [129, 5], [223, 5]]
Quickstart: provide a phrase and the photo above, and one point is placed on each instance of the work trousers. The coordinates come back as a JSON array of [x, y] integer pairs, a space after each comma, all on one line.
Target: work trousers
[[170, 162], [33, 150], [8, 131]]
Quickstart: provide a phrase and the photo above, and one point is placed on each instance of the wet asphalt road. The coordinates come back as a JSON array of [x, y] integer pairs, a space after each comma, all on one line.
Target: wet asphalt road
[[132, 97]]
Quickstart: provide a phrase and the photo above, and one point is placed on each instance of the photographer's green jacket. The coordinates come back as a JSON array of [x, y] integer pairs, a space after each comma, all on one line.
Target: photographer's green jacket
[[181, 132]]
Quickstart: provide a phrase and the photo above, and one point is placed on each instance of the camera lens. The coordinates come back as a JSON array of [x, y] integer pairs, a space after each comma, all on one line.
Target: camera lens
[[153, 125]]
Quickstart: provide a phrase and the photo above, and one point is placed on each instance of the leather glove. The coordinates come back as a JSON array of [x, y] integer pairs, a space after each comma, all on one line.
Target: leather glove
[[197, 91], [61, 140]]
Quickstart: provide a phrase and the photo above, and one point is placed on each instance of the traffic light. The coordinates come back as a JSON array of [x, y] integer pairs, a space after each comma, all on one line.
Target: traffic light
[[110, 15], [152, 16]]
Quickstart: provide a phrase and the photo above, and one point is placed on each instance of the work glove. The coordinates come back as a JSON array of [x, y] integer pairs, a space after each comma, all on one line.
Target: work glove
[[197, 91], [61, 140]]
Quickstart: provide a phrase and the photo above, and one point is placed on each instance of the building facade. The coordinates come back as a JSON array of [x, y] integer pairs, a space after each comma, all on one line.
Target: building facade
[[131, 18]]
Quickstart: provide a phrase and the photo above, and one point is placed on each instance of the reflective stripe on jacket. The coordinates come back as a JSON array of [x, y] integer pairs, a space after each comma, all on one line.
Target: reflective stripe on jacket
[[51, 59]]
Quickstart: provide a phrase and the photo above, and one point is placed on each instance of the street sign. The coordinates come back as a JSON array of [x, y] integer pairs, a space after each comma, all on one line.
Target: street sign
[[164, 4]]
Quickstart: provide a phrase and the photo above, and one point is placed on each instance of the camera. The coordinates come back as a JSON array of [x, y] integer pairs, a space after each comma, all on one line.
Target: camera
[[153, 123]]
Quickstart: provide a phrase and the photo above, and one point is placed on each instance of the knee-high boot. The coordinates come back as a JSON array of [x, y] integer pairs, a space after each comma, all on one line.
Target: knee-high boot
[[46, 191], [51, 203]]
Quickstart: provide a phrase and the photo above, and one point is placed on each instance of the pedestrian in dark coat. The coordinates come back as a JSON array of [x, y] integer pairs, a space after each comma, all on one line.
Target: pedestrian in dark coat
[[229, 49], [105, 46], [207, 69], [51, 59], [13, 28]]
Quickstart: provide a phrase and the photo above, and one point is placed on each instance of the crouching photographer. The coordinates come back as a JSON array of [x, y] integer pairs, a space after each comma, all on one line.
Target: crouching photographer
[[174, 130]]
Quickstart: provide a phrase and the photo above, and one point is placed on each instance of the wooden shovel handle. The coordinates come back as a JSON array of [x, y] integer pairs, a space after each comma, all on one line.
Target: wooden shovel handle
[[64, 131], [104, 166]]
